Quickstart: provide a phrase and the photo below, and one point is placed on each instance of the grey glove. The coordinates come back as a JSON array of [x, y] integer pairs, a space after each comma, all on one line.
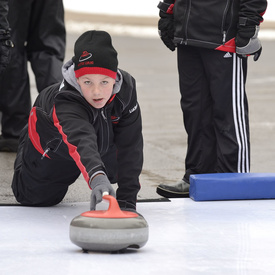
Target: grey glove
[[99, 185], [5, 46], [247, 41]]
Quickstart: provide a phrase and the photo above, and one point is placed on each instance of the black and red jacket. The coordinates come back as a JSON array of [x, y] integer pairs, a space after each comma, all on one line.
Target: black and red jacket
[[63, 125], [213, 24]]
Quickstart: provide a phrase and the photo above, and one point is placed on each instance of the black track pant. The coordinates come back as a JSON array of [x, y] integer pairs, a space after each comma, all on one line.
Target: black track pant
[[38, 33], [215, 111]]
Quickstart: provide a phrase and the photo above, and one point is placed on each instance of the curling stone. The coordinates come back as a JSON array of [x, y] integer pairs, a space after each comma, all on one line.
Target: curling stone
[[109, 230]]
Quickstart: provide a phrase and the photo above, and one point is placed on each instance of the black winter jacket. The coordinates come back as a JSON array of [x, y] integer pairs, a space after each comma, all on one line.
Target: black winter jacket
[[213, 24], [63, 125]]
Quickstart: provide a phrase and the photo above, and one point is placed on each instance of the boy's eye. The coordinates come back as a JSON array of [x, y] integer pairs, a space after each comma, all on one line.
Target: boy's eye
[[87, 82], [104, 82]]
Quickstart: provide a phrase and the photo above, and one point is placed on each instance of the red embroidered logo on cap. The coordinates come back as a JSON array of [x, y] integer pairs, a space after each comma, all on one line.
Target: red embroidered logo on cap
[[85, 55]]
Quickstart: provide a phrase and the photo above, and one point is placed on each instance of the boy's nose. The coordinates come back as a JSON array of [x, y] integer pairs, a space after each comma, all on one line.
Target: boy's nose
[[96, 91]]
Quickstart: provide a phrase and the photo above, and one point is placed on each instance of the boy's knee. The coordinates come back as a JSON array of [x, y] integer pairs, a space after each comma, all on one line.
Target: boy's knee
[[29, 195]]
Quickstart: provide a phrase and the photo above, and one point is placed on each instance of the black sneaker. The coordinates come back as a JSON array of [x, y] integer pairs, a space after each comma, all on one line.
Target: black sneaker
[[8, 144], [178, 190]]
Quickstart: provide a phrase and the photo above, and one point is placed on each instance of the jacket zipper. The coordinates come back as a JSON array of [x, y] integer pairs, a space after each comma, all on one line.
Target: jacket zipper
[[45, 152], [104, 148], [224, 21], [183, 40], [186, 22]]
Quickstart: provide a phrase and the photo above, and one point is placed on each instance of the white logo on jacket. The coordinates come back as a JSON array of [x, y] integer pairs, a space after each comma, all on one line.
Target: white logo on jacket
[[133, 109]]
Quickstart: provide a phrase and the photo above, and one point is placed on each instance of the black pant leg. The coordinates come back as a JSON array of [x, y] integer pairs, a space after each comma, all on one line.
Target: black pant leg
[[46, 42], [15, 99], [226, 73], [196, 104]]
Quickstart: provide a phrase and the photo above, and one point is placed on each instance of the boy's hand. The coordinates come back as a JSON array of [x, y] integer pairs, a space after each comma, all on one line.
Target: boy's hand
[[247, 42], [166, 30], [166, 23], [99, 185]]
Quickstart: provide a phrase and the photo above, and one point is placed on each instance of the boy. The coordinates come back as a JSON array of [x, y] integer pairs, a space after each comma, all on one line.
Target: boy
[[90, 124]]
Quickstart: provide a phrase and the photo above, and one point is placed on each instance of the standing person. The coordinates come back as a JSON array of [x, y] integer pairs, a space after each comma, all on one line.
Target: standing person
[[5, 42], [213, 40], [89, 124], [38, 33]]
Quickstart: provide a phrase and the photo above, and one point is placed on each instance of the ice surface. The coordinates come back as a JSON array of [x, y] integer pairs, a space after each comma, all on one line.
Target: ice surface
[[185, 237]]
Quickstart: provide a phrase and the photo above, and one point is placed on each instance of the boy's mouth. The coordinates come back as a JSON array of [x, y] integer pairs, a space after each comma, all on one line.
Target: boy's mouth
[[98, 99]]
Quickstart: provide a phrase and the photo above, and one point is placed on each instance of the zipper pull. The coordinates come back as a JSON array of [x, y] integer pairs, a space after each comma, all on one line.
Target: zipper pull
[[103, 115], [223, 37], [45, 153]]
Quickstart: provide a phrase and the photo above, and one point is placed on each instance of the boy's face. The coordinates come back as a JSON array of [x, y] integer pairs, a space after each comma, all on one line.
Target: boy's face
[[96, 88]]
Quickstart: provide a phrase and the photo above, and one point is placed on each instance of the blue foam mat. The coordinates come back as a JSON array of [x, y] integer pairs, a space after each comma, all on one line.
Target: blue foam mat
[[232, 186]]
